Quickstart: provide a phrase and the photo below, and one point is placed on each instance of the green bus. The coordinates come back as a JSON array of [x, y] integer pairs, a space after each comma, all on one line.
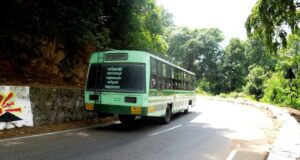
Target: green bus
[[135, 84]]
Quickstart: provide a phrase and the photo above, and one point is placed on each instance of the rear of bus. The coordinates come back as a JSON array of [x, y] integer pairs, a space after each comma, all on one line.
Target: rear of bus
[[117, 83]]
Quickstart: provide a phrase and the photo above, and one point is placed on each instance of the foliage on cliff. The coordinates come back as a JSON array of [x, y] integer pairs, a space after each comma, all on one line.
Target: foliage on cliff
[[50, 41]]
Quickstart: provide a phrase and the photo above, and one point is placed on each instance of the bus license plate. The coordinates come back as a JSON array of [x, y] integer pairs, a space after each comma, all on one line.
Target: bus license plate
[[89, 107], [136, 110]]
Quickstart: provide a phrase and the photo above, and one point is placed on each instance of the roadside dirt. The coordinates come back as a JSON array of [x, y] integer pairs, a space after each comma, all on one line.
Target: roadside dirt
[[26, 131], [271, 131], [295, 113]]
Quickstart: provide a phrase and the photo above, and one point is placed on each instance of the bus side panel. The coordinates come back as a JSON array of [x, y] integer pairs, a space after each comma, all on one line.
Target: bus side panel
[[159, 100], [179, 100]]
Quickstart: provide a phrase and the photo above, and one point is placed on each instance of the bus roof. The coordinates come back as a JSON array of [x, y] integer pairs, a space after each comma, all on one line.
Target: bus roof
[[151, 55]]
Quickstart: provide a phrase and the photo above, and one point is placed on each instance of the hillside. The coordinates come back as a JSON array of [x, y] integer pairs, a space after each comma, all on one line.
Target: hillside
[[49, 42], [47, 63]]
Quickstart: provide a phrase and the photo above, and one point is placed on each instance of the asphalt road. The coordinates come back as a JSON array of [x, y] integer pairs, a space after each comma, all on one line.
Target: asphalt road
[[213, 130]]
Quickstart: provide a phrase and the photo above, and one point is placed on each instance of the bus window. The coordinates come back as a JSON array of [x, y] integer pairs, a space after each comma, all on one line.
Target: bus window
[[153, 66], [159, 75], [153, 73], [190, 82], [169, 71], [177, 82], [175, 73], [174, 84], [164, 78], [169, 77], [164, 67], [116, 77], [94, 77], [183, 81], [180, 80], [172, 72], [159, 69], [186, 80]]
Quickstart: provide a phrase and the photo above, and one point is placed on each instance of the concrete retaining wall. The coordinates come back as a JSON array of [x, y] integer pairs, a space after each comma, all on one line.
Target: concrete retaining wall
[[56, 105], [40, 105]]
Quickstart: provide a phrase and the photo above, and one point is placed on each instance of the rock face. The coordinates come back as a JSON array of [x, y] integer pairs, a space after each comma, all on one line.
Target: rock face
[[29, 60], [57, 105]]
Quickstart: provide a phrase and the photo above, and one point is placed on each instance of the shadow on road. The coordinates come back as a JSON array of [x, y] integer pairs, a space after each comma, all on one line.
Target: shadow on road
[[148, 123]]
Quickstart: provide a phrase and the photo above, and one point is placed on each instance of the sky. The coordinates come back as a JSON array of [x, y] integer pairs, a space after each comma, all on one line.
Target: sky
[[227, 15]]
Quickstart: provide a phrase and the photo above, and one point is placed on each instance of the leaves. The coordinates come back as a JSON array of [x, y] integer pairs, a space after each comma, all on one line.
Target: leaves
[[199, 51], [137, 25], [255, 80], [268, 20], [76, 28], [234, 64]]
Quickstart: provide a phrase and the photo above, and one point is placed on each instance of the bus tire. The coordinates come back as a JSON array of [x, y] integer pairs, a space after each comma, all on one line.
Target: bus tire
[[167, 117], [127, 119], [186, 111]]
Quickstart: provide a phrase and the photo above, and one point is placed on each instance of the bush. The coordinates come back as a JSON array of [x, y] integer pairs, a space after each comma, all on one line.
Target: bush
[[254, 82], [203, 86], [277, 90]]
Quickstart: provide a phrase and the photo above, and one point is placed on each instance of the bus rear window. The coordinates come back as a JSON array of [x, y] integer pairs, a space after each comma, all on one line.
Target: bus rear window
[[117, 77]]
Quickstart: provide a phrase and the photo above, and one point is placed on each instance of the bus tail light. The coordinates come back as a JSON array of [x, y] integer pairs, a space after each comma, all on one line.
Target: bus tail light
[[130, 99], [94, 97]]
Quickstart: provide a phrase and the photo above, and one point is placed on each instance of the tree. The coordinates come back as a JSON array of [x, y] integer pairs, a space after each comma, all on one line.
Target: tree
[[256, 55], [277, 89], [177, 37], [255, 80], [268, 20], [52, 38], [198, 51], [234, 64], [129, 29], [292, 52], [195, 50]]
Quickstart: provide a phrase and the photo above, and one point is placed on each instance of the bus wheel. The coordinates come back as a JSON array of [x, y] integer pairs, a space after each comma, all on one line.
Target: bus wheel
[[167, 117], [127, 119], [186, 111]]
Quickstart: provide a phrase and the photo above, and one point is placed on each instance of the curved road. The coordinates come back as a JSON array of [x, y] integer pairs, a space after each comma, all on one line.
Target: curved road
[[214, 130]]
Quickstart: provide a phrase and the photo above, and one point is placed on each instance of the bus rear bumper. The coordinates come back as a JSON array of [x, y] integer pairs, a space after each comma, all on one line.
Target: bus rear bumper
[[119, 110]]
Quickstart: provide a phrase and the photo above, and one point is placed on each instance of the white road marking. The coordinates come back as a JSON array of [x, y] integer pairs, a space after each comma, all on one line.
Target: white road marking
[[165, 130], [232, 154], [51, 133]]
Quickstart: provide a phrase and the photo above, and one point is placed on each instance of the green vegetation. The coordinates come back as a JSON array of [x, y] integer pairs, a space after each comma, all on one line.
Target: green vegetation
[[246, 68], [255, 80], [49, 42], [198, 51], [268, 20]]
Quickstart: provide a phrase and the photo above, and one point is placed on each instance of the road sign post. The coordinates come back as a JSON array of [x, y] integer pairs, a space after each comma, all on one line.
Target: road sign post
[[290, 75]]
